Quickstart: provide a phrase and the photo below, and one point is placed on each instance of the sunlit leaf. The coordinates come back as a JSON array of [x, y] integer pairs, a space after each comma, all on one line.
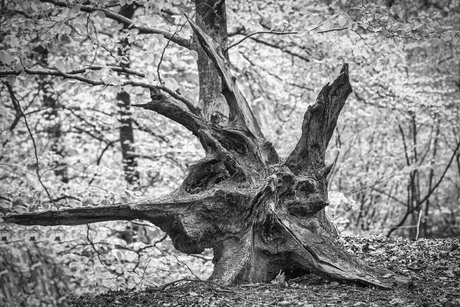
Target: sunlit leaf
[[171, 83], [342, 21], [5, 57]]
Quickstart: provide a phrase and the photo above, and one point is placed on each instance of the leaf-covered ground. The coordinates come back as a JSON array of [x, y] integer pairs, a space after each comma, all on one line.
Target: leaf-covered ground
[[425, 273]]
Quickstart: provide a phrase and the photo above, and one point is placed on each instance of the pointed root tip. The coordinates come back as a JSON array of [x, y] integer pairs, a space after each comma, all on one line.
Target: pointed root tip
[[344, 69]]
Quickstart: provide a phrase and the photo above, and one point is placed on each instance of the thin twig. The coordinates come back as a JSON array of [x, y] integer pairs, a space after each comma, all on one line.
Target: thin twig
[[126, 21], [58, 73], [164, 49], [332, 30], [5, 198], [64, 197], [186, 265], [119, 69], [161, 240], [430, 192], [18, 107], [282, 48], [98, 254], [260, 32]]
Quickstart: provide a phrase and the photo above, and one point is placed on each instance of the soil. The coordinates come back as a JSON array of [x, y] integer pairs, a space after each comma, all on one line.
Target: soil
[[425, 272]]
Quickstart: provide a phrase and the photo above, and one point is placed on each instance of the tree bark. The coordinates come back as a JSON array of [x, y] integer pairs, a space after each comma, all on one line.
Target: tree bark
[[259, 215], [211, 17], [124, 112], [52, 113]]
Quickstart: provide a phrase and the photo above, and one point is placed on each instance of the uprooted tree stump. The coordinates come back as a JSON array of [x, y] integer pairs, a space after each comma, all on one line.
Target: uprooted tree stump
[[260, 215]]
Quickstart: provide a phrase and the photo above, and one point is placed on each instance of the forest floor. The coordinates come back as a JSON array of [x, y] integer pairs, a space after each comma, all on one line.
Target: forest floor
[[426, 272]]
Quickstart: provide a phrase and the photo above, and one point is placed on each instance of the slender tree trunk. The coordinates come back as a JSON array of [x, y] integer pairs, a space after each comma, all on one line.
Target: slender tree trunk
[[127, 140], [415, 180], [424, 222], [128, 151], [52, 114]]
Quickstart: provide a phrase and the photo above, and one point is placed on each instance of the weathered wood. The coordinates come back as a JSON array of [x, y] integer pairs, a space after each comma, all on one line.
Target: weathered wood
[[240, 114], [259, 216], [211, 17], [163, 105], [194, 222], [319, 124], [280, 236], [77, 216]]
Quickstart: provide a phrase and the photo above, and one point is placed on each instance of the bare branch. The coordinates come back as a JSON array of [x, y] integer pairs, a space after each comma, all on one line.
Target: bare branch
[[282, 48], [166, 47], [17, 106], [128, 23], [78, 216], [428, 195], [4, 198], [332, 30], [192, 221], [260, 32], [161, 104], [118, 69], [72, 76]]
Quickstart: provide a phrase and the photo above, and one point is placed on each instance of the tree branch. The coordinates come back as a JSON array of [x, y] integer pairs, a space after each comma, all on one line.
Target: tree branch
[[333, 30], [282, 48], [208, 135], [72, 76], [78, 216], [162, 105], [128, 23], [260, 32], [193, 222], [119, 69], [166, 47], [17, 106]]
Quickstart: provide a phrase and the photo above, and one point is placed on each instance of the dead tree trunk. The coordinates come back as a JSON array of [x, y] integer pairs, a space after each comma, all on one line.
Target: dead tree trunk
[[211, 18], [259, 215]]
